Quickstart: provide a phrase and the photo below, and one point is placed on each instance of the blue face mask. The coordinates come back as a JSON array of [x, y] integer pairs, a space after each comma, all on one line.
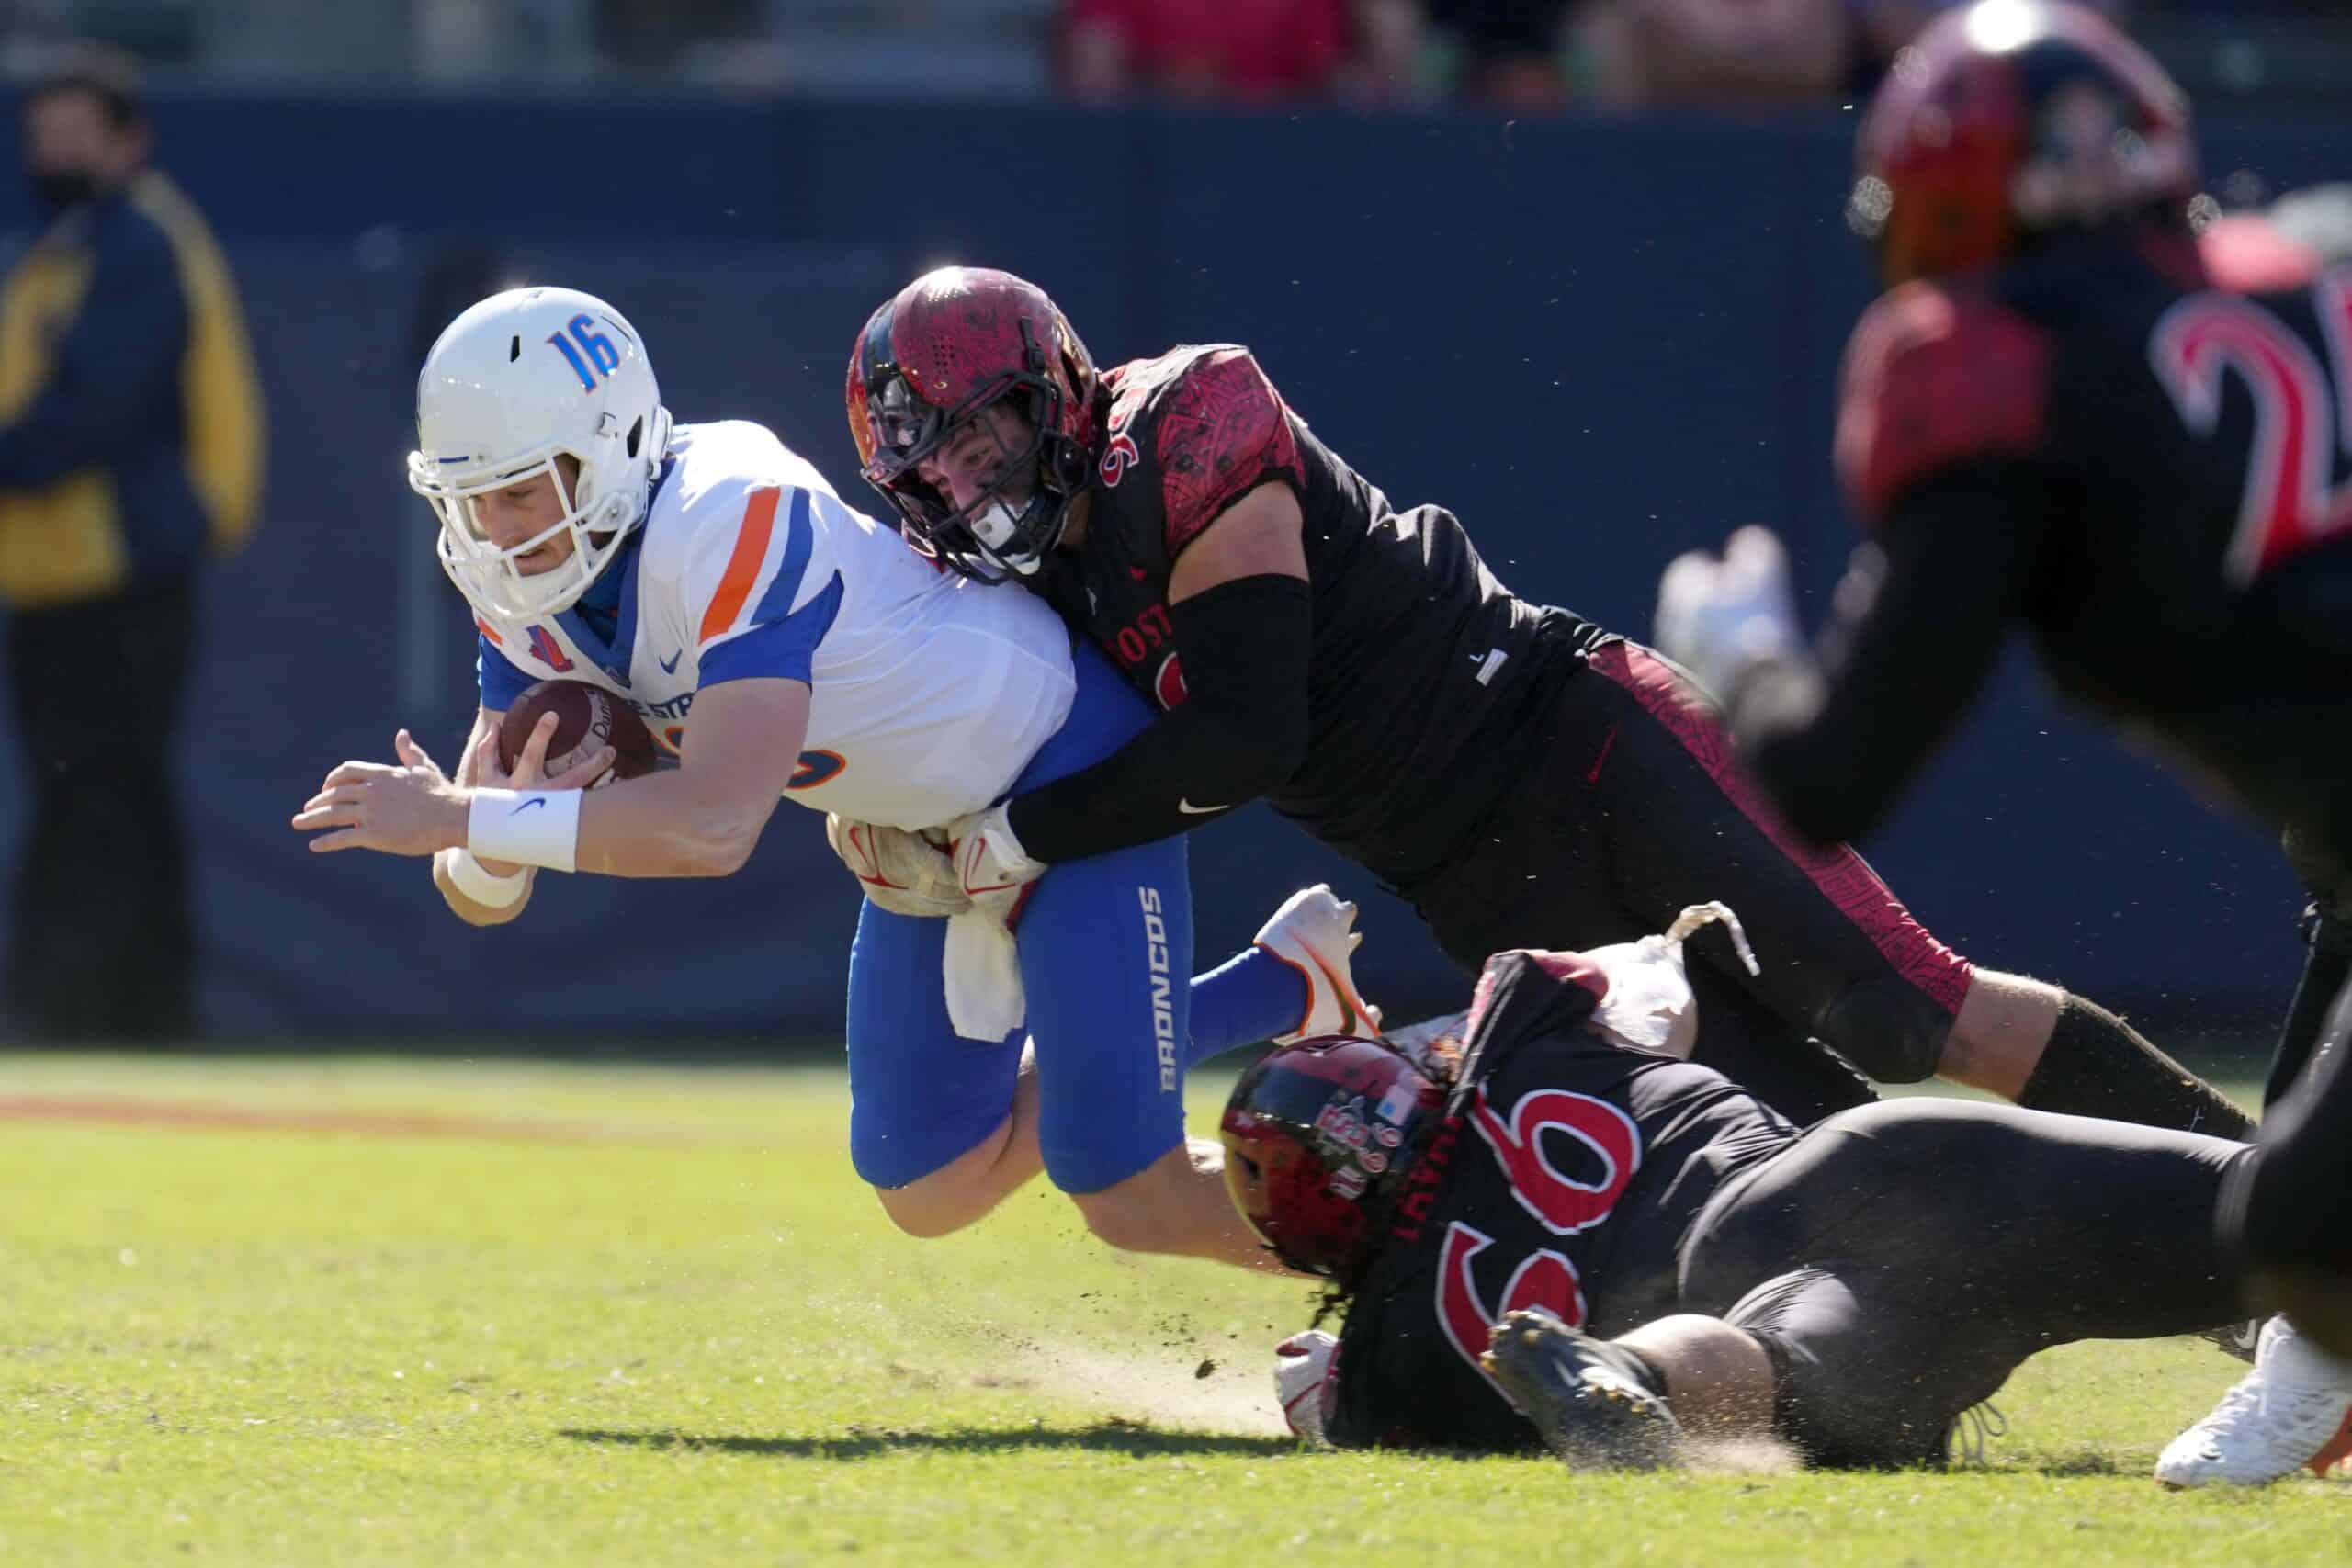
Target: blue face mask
[[55, 190]]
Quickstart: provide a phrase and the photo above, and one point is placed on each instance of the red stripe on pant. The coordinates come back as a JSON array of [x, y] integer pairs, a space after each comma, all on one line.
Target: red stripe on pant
[[1844, 877]]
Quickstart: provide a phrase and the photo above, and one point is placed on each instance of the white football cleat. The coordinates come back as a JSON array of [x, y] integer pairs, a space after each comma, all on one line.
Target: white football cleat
[[1314, 932], [1306, 1383], [2281, 1416]]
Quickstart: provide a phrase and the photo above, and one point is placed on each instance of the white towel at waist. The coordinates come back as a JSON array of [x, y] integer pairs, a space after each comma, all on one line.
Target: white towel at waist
[[982, 973]]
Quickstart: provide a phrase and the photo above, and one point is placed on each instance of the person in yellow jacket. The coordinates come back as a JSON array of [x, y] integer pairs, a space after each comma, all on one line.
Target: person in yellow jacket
[[130, 450]]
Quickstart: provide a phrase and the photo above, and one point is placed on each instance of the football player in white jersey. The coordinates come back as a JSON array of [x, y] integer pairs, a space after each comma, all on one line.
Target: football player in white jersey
[[711, 579]]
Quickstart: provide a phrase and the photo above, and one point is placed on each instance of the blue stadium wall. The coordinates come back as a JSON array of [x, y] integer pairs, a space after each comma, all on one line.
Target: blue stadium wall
[[1598, 341]]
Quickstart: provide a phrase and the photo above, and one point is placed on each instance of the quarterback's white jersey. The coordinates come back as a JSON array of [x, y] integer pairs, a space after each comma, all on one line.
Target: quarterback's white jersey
[[929, 693]]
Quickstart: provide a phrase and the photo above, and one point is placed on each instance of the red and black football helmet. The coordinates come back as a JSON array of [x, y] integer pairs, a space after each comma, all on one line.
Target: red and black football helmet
[[930, 361], [1318, 1137], [2010, 121]]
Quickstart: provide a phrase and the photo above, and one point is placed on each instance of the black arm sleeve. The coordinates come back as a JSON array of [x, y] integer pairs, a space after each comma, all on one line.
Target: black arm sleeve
[[1902, 658], [1240, 731]]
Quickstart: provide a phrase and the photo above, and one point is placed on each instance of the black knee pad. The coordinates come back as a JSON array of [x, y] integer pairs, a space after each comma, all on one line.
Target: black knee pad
[[1888, 1029]]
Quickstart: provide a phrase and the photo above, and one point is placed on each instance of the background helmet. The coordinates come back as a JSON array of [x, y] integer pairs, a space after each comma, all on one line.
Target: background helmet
[[936, 356], [515, 381], [1318, 1137], [2010, 120]]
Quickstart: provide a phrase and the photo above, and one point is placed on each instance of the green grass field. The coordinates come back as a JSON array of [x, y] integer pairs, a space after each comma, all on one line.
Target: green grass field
[[650, 1317]]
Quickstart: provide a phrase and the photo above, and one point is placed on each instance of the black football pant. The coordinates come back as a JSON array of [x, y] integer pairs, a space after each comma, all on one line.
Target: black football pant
[[2289, 1215], [1639, 811], [101, 945], [2318, 855], [1897, 1262]]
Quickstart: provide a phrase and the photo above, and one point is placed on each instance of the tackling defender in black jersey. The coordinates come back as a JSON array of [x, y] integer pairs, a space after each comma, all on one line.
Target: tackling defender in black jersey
[[2075, 411], [1519, 773], [1695, 1253]]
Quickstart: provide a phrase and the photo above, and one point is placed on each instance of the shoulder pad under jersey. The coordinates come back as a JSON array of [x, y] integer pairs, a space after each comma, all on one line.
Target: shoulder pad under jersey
[[1935, 377], [1223, 431]]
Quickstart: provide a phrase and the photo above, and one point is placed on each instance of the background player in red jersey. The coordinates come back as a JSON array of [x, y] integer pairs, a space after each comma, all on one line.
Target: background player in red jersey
[[2073, 411], [1704, 1263], [1522, 775]]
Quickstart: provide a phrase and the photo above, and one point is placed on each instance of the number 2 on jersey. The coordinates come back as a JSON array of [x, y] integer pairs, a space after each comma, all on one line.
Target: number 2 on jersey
[[2301, 412]]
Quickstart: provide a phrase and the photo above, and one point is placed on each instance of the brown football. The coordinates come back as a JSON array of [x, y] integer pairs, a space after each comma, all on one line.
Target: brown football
[[586, 715]]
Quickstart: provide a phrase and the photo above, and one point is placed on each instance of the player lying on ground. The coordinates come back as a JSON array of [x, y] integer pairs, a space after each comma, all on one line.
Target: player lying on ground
[[2073, 411], [1525, 777], [1850, 1288], [704, 567]]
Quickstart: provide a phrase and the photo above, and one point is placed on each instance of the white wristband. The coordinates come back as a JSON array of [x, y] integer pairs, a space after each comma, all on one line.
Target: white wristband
[[532, 827], [470, 877]]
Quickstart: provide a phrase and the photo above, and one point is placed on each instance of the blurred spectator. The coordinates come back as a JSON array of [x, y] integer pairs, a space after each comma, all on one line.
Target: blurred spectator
[[1509, 52], [130, 444], [1245, 51], [1389, 50], [1697, 52], [455, 39], [651, 36]]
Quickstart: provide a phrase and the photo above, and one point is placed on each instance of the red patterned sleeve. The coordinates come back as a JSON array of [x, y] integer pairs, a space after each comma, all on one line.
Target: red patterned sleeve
[[1223, 432], [1934, 379]]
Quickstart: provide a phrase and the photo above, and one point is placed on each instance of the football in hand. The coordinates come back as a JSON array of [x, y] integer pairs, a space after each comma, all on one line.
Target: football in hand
[[586, 718]]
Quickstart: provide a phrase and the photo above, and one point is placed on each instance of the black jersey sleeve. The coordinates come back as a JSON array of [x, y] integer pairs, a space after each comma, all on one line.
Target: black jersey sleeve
[[1222, 432], [1240, 731], [1913, 642], [1936, 379]]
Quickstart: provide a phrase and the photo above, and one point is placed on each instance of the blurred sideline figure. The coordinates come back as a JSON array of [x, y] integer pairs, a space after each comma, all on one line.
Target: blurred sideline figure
[[130, 450]]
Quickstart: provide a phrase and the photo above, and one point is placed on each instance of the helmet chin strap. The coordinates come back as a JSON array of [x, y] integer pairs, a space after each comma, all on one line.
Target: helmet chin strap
[[996, 527]]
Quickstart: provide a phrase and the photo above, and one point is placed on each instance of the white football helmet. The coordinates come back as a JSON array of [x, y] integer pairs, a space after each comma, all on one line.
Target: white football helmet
[[515, 381]]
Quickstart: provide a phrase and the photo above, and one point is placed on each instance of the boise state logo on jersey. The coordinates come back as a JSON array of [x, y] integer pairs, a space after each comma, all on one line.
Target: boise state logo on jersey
[[814, 768]]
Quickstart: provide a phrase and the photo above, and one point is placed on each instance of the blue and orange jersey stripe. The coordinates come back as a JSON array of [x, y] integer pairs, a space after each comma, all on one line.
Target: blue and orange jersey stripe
[[743, 566]]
